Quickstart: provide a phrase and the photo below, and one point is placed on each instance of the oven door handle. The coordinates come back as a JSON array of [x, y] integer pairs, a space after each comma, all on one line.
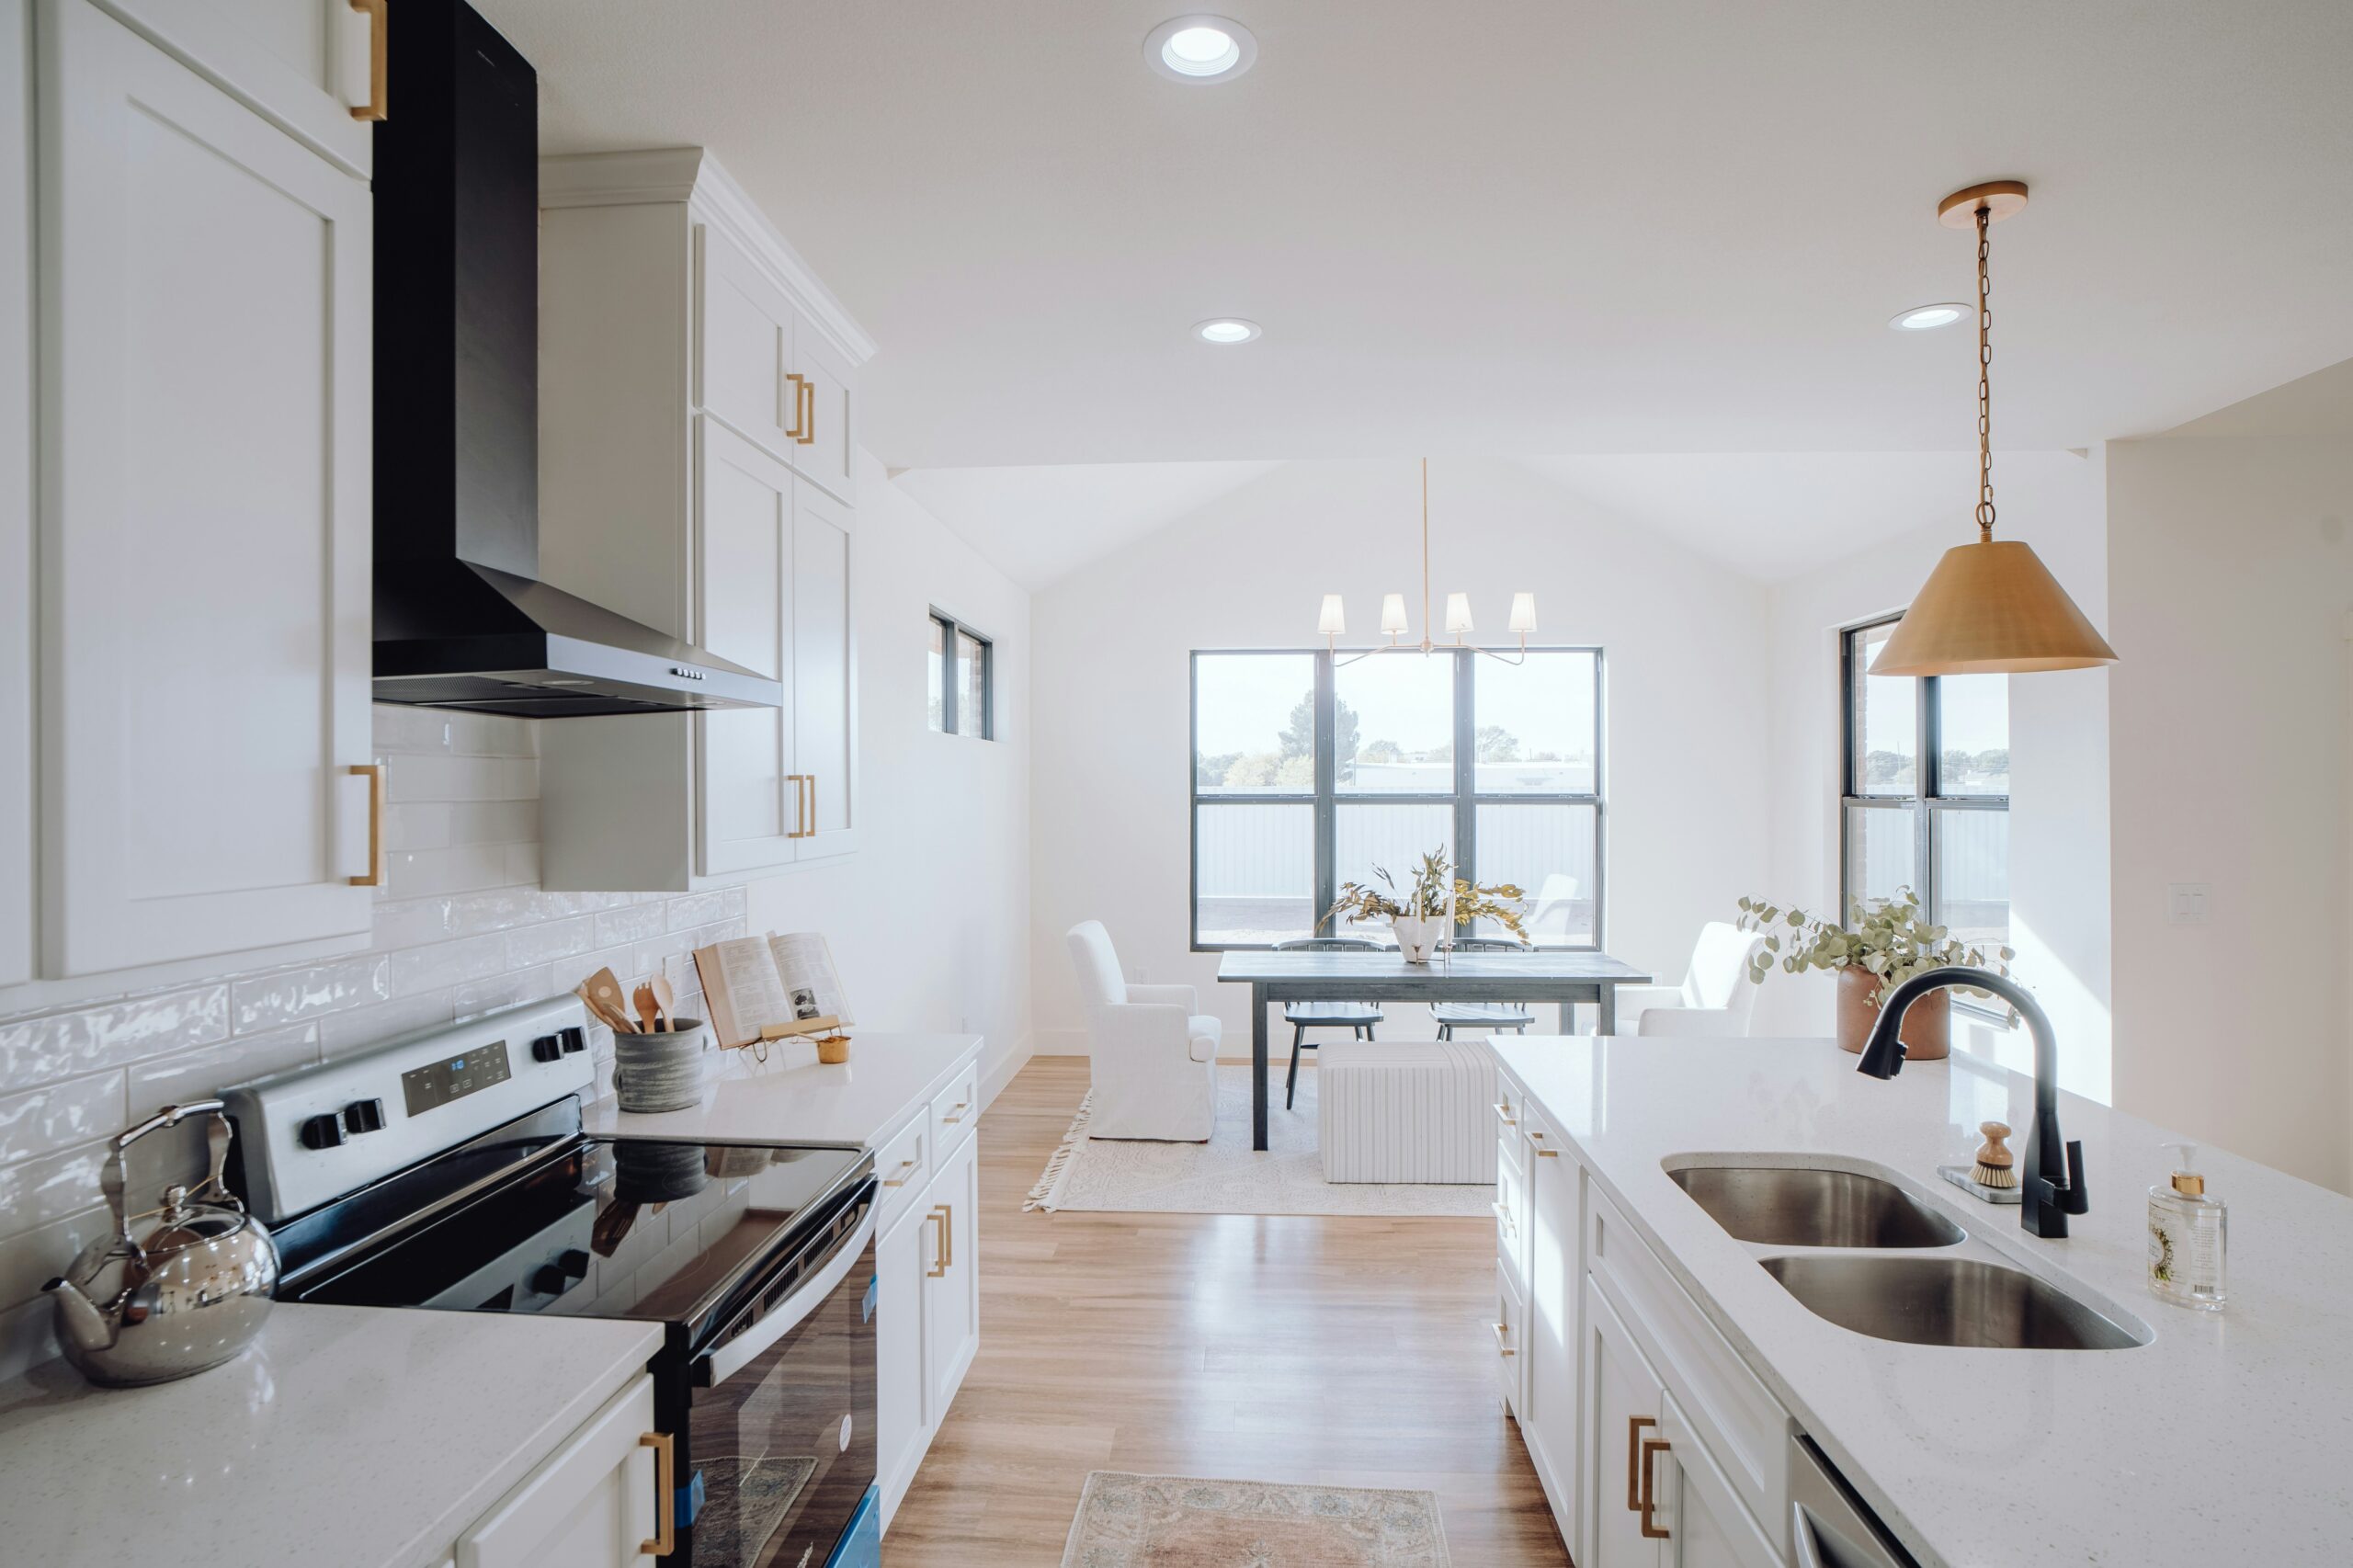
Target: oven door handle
[[739, 1352]]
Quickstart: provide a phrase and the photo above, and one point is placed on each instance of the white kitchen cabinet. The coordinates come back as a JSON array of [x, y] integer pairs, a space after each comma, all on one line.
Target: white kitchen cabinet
[[204, 282], [1549, 1420], [1622, 1443], [17, 750], [952, 1286], [313, 66], [592, 1503], [677, 487], [927, 1264], [1706, 1525]]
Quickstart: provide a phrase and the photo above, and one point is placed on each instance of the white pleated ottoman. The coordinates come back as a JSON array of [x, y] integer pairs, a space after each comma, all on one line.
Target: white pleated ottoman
[[1413, 1110]]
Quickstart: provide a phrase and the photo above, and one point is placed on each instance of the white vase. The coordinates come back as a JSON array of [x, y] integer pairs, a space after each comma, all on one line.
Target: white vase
[[1417, 939]]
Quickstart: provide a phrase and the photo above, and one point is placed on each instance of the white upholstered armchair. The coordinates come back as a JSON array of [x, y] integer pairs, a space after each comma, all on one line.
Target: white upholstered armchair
[[1716, 997], [1153, 1054]]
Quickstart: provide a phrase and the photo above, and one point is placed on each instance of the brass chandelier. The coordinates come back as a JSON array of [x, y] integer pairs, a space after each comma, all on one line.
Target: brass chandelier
[[1990, 607], [1332, 622]]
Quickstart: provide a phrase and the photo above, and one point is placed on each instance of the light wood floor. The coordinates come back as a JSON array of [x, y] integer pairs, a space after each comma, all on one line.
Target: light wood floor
[[1347, 1351]]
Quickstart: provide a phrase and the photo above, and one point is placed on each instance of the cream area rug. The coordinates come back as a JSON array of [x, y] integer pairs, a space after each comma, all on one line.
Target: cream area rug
[[1168, 1521], [1225, 1175]]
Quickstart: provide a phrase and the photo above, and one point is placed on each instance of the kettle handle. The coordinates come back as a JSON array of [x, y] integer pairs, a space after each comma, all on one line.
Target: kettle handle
[[111, 1180]]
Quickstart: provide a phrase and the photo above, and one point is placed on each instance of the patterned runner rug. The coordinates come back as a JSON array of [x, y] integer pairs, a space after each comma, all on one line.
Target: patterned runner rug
[[1168, 1521]]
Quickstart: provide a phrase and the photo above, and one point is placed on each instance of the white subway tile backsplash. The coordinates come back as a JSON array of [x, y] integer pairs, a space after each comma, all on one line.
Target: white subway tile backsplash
[[283, 996], [41, 1121], [462, 928]]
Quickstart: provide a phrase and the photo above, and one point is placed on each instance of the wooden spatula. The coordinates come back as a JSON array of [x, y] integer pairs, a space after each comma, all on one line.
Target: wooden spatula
[[665, 1000], [648, 1008], [603, 994]]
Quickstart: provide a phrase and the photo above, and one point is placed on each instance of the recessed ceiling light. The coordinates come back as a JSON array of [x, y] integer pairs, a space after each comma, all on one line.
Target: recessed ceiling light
[[1222, 330], [1200, 49], [1927, 318]]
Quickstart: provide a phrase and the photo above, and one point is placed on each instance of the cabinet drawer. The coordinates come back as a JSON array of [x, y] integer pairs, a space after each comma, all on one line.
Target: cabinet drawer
[[1510, 1122], [592, 1501], [1741, 1425], [903, 1163], [1511, 1318], [954, 1111]]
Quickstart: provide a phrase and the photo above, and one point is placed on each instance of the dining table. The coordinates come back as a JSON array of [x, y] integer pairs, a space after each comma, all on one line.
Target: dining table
[[1385, 975]]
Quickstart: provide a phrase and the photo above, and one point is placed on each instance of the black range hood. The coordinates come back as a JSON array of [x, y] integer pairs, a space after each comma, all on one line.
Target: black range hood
[[461, 618]]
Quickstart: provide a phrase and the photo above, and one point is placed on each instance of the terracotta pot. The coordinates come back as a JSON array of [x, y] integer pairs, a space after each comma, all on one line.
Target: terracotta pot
[[1928, 1024]]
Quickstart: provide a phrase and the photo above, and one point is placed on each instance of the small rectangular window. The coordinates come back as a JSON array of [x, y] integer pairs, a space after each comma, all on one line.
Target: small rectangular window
[[961, 682]]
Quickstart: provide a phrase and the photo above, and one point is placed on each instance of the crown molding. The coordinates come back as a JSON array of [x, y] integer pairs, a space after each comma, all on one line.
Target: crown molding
[[690, 175]]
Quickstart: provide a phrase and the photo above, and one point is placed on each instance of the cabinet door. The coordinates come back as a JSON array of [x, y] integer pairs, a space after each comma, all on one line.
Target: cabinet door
[[825, 674], [901, 1258], [751, 807], [592, 1503], [306, 63], [1622, 1396], [1711, 1527], [825, 439], [744, 327], [18, 747], [205, 286], [1549, 1420], [952, 1308]]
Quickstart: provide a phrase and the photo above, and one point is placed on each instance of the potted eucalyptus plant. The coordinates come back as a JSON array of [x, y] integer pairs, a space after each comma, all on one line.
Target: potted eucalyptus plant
[[1419, 915], [1887, 942]]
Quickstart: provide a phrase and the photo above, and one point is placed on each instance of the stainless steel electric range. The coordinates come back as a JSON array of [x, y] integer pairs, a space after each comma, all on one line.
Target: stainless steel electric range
[[449, 1170]]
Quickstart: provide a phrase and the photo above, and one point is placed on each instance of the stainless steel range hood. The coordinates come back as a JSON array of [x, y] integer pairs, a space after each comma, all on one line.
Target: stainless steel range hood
[[461, 619]]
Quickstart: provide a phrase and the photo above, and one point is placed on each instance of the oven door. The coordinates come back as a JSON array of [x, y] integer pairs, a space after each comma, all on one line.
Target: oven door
[[781, 1443]]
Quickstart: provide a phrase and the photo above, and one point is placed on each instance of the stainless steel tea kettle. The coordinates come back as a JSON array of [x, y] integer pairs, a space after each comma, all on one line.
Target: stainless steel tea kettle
[[188, 1294]]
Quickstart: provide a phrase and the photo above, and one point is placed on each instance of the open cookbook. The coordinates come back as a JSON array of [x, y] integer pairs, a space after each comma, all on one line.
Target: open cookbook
[[769, 987]]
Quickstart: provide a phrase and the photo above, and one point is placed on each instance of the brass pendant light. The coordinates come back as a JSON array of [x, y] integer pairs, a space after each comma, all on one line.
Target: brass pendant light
[[1991, 607]]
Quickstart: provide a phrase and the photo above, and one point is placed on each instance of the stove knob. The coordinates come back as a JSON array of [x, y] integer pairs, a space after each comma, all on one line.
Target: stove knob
[[550, 1280], [574, 1039], [323, 1132], [547, 1048], [572, 1261], [364, 1116]]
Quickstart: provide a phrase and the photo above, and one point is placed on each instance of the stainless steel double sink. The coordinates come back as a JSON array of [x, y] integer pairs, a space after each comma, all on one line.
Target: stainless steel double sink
[[1870, 1276]]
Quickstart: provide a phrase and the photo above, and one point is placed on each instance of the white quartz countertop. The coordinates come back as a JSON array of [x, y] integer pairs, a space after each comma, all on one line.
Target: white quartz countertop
[[791, 1098], [2227, 1438], [344, 1435]]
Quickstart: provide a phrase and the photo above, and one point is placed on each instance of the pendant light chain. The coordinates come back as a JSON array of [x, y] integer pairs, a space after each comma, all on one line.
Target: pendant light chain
[[1985, 370]]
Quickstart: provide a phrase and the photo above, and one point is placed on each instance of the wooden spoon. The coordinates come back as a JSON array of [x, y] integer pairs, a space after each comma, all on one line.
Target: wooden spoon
[[665, 1001], [603, 994], [648, 1008]]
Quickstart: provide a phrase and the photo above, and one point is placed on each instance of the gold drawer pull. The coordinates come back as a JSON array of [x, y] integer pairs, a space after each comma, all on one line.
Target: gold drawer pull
[[958, 1109], [1543, 1154], [1502, 1331], [1504, 1112], [901, 1179], [666, 1484], [1502, 1213]]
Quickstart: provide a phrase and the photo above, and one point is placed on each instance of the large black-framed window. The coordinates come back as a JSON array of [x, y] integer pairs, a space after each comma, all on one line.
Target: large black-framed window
[[1925, 798], [962, 679], [1309, 769]]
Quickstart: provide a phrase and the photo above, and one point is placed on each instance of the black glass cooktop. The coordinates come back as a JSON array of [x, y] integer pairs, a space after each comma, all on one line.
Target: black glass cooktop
[[680, 1232]]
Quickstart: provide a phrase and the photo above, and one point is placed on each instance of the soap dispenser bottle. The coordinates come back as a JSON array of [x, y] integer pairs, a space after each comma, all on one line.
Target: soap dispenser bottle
[[2186, 1237]]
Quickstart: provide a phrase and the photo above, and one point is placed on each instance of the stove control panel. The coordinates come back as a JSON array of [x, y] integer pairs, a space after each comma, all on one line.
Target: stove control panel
[[309, 1136]]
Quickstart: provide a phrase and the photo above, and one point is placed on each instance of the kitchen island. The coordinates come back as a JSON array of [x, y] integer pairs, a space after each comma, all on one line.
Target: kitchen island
[[2215, 1438]]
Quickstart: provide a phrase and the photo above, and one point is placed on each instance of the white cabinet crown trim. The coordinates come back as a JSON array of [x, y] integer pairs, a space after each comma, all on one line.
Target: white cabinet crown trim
[[678, 173]]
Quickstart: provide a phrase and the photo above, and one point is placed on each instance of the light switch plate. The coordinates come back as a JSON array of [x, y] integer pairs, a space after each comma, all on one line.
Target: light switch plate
[[2186, 903]]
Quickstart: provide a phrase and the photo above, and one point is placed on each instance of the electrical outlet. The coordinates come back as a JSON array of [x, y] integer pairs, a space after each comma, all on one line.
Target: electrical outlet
[[2186, 903]]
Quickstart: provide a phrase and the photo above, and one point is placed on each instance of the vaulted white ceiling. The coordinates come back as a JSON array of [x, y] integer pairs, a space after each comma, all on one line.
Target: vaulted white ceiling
[[1544, 226]]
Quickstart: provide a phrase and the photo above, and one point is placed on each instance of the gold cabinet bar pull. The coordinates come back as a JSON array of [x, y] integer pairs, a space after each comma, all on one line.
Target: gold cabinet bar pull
[[793, 432], [903, 1178], [942, 1216], [808, 433], [1652, 1529], [374, 773], [1502, 1331], [1503, 1113], [955, 1113], [1635, 1488], [665, 1485], [1543, 1154], [378, 94]]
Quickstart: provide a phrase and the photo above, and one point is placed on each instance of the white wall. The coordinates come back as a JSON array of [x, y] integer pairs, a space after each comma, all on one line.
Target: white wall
[[1686, 728], [930, 922], [2059, 843], [2230, 578], [927, 922]]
